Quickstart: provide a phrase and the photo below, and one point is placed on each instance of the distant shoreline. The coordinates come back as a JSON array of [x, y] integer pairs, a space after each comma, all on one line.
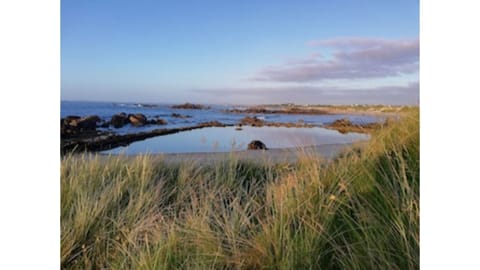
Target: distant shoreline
[[80, 133]]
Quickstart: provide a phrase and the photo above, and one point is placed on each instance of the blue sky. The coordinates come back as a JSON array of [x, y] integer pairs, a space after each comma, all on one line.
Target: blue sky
[[240, 51]]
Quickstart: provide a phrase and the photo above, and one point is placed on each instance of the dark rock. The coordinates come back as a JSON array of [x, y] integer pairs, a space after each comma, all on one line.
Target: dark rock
[[68, 123], [74, 125], [88, 123], [71, 118], [252, 121], [212, 124], [105, 140], [177, 115], [137, 119], [119, 120], [158, 121], [190, 106], [256, 145]]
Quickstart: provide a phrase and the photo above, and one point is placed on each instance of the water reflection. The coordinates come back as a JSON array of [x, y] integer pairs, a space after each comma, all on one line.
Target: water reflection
[[217, 139]]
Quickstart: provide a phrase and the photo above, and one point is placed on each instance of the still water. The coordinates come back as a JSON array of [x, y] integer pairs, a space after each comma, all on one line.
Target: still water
[[226, 139]]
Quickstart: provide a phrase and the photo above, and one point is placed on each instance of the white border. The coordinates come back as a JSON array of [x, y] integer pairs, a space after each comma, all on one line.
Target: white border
[[30, 104], [30, 95], [449, 80]]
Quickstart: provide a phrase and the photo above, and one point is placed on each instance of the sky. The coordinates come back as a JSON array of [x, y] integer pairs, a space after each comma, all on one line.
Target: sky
[[241, 52]]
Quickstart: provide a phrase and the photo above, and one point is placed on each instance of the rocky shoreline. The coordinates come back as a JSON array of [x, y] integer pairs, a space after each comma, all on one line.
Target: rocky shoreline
[[384, 110], [106, 141], [190, 106], [344, 126], [79, 134], [293, 110]]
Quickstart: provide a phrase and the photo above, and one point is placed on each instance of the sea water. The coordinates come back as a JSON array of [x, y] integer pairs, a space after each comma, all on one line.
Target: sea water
[[215, 139], [105, 110]]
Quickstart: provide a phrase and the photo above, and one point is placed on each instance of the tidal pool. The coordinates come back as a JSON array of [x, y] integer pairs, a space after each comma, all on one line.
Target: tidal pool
[[226, 139]]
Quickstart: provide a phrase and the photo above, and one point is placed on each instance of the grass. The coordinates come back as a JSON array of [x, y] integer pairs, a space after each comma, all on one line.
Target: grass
[[360, 211]]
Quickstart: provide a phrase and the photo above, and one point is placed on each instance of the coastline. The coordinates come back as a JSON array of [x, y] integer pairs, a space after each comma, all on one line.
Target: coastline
[[276, 155], [279, 155], [170, 194], [79, 133], [365, 110]]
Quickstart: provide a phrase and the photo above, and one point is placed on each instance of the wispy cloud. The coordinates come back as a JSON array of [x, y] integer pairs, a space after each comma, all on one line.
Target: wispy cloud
[[352, 58], [394, 95]]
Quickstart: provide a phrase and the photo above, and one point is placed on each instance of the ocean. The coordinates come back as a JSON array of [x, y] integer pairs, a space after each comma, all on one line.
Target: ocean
[[214, 139], [105, 110]]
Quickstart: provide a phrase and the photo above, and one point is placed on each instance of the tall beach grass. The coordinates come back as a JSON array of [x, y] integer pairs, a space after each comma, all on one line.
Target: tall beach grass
[[359, 211]]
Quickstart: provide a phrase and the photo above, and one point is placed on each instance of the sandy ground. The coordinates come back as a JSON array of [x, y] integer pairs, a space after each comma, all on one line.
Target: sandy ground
[[286, 155]]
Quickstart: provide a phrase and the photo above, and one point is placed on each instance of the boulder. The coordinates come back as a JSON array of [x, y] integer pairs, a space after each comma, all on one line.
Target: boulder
[[257, 145], [88, 123], [75, 125], [252, 121], [119, 120], [67, 123], [157, 121], [71, 118], [137, 119]]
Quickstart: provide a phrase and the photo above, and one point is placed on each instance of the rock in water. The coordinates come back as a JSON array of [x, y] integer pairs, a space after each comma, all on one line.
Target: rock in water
[[137, 119], [75, 125], [190, 106], [256, 145], [119, 120], [88, 123], [157, 121], [252, 121], [84, 123]]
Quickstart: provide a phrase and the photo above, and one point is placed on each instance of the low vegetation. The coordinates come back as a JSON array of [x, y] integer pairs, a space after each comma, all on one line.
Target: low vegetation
[[327, 109], [345, 126], [359, 211]]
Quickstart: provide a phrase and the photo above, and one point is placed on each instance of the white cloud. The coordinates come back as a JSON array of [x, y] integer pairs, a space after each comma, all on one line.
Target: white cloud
[[353, 58]]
